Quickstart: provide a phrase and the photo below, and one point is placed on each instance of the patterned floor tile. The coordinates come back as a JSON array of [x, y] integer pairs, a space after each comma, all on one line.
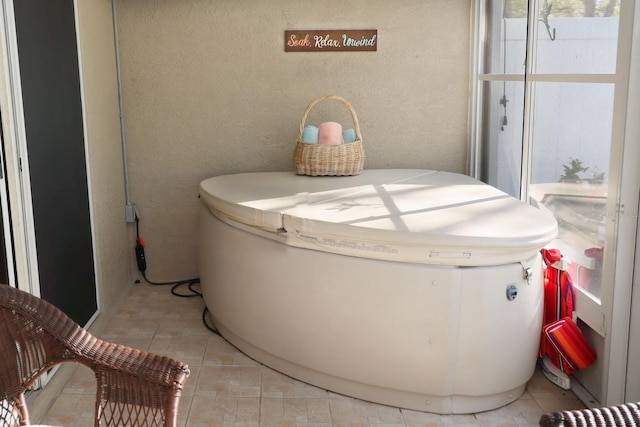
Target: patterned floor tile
[[229, 389]]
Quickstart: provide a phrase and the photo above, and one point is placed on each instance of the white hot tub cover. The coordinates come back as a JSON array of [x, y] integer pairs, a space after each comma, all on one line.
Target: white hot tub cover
[[405, 215]]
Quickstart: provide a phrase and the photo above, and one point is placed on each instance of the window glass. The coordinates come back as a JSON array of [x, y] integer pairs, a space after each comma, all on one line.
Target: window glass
[[572, 36], [502, 135], [571, 134], [506, 42], [546, 114]]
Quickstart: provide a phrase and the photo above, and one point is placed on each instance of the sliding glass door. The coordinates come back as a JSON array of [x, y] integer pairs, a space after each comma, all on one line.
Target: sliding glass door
[[550, 105]]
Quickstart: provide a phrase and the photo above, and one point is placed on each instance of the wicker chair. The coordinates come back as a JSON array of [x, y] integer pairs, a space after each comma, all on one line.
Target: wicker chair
[[134, 388], [627, 415]]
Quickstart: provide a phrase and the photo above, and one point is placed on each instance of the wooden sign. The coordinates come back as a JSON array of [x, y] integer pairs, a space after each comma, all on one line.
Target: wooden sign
[[330, 40]]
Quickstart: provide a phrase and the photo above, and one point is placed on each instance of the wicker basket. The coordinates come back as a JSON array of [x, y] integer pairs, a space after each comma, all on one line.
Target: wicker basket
[[329, 160]]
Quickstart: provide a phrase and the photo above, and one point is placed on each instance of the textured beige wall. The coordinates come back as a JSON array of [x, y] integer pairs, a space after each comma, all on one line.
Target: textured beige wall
[[112, 236], [209, 90]]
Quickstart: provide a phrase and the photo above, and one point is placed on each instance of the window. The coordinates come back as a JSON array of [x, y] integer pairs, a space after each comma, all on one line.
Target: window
[[546, 95]]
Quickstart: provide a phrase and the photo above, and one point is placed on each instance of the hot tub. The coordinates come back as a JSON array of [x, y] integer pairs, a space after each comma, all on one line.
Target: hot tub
[[413, 288]]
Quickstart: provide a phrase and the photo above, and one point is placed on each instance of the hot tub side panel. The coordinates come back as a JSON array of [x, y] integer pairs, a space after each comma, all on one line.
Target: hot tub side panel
[[499, 331], [382, 331], [365, 320]]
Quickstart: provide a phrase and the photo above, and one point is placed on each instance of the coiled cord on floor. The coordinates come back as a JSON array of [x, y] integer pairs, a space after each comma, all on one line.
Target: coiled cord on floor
[[189, 283]]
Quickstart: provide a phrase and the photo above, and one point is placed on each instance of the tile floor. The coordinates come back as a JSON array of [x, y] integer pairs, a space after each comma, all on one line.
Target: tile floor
[[227, 388]]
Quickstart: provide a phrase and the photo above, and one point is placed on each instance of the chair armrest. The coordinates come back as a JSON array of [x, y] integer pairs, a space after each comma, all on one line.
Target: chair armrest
[[102, 356], [627, 414], [133, 383]]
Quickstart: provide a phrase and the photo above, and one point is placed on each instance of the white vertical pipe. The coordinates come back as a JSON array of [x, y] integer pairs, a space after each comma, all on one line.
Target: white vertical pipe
[[128, 205]]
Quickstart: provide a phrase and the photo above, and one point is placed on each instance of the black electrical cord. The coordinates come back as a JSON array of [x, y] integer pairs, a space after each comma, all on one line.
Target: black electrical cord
[[142, 267], [190, 283], [206, 324]]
